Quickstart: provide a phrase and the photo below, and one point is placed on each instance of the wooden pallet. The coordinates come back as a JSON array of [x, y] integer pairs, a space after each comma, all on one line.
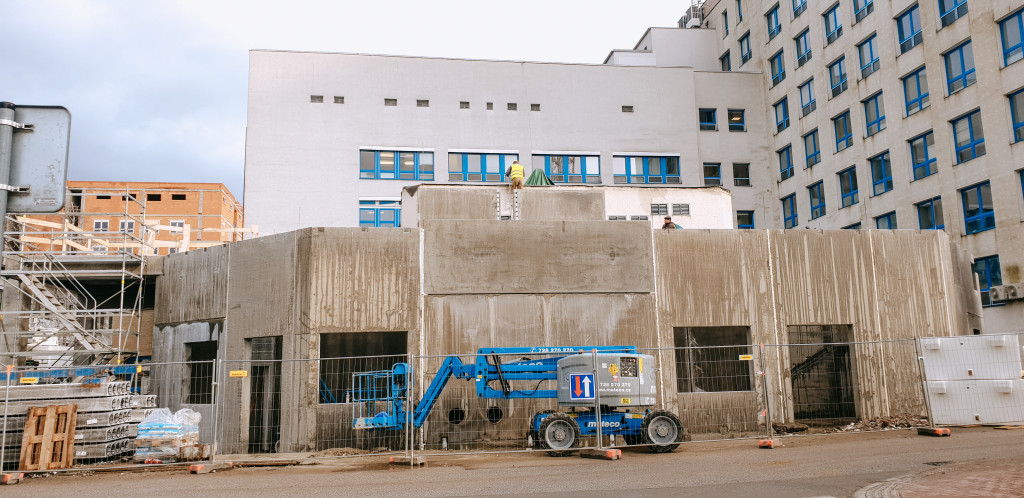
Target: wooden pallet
[[49, 439]]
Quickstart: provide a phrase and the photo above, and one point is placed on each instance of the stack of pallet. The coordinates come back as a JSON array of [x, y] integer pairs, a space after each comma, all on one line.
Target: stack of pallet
[[102, 424]]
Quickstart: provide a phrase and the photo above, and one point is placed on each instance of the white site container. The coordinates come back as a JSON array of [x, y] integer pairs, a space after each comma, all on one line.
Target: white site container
[[966, 402], [971, 357]]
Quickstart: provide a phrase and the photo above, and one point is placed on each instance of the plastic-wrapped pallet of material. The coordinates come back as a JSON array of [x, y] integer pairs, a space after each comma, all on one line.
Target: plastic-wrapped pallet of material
[[162, 434]]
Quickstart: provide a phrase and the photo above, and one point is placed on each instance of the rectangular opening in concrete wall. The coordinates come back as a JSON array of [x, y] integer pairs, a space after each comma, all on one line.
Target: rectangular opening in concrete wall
[[200, 356], [264, 394], [347, 353], [821, 372], [713, 359]]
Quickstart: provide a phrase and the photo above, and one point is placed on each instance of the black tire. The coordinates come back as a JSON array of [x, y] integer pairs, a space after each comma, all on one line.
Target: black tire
[[560, 434], [661, 431], [535, 436]]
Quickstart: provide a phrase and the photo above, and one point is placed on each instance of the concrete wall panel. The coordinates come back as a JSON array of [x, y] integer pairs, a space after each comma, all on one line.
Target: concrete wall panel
[[539, 203], [193, 286]]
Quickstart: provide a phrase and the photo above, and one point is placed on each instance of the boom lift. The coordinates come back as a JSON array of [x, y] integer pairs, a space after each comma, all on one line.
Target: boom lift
[[612, 377]]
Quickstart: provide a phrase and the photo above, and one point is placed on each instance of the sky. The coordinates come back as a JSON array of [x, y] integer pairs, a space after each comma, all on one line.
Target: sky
[[157, 89]]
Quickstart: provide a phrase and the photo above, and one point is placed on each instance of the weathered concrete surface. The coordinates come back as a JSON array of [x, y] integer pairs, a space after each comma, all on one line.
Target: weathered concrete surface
[[170, 382], [501, 257], [539, 203], [479, 203], [193, 286]]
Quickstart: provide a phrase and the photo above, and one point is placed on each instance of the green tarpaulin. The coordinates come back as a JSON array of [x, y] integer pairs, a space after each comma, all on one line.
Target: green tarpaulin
[[538, 178]]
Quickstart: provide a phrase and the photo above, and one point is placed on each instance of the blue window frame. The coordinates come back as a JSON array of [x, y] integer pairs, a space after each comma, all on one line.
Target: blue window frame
[[968, 137], [712, 174], [909, 27], [920, 155], [979, 215], [647, 169], [855, 226], [745, 220], [708, 119], [789, 214], [725, 22], [807, 103], [989, 274], [741, 174], [396, 165], [1017, 115], [745, 53], [739, 11], [868, 56], [782, 114], [952, 10], [837, 76], [812, 150], [861, 9], [799, 6], [833, 25], [772, 17], [726, 61], [915, 91], [886, 221], [881, 173], [803, 47], [778, 66], [817, 195], [848, 186], [874, 114], [474, 167], [844, 132], [380, 213], [737, 120], [1011, 30], [960, 72], [569, 169], [929, 214], [786, 162]]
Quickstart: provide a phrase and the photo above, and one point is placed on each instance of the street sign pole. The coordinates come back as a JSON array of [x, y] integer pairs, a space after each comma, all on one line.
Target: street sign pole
[[7, 125]]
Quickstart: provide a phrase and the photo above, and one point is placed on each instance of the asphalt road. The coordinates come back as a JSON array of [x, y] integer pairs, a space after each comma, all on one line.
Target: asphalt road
[[828, 465]]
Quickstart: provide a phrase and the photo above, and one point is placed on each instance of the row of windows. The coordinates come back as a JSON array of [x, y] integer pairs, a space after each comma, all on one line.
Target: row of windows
[[149, 197], [389, 102]]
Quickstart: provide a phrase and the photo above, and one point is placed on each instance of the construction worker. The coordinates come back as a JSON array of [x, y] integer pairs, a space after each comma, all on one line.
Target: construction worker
[[516, 175], [669, 225]]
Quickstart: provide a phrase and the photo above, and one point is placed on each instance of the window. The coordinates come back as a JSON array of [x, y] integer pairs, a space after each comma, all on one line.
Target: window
[[569, 169], [868, 56], [316, 99], [989, 274], [535, 107], [803, 47], [639, 218], [680, 210], [153, 197], [708, 120], [741, 174], [490, 106], [659, 209], [201, 356], [886, 221], [739, 11], [338, 99], [512, 106], [725, 22], [126, 226], [1011, 30], [786, 162], [101, 226], [173, 250], [952, 10], [789, 215], [615, 218], [782, 114], [837, 76], [745, 53], [855, 226], [909, 27], [737, 121], [463, 104], [345, 355], [472, 167], [915, 91], [807, 103], [745, 220], [811, 150], [726, 62], [1017, 115], [833, 26], [929, 214], [960, 68], [646, 169], [817, 194], [920, 157], [844, 132], [395, 165], [103, 197], [422, 103], [778, 66], [390, 102], [712, 174], [772, 17], [380, 213], [979, 214], [627, 108], [177, 197], [861, 9], [848, 186], [881, 173], [708, 359], [799, 6], [177, 223], [968, 137], [874, 114]]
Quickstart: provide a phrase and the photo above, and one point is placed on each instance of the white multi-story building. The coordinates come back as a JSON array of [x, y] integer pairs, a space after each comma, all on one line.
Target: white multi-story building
[[872, 114]]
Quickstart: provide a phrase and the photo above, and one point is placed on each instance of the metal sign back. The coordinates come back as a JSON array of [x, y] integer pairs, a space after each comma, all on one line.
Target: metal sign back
[[39, 159]]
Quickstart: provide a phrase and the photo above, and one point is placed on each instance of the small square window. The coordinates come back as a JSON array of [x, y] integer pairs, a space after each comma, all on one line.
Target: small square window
[[534, 107], [391, 102], [316, 99], [490, 106], [627, 108], [422, 103], [339, 99], [463, 105], [512, 106], [177, 197]]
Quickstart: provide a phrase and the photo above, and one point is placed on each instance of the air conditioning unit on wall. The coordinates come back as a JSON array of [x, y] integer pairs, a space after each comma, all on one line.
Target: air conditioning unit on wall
[[1009, 292]]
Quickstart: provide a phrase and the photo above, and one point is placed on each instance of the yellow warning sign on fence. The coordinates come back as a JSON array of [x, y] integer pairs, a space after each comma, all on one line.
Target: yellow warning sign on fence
[[746, 357], [239, 373], [30, 380]]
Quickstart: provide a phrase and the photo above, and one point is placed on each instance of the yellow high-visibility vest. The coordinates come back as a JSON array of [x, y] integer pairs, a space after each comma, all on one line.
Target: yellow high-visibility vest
[[517, 171]]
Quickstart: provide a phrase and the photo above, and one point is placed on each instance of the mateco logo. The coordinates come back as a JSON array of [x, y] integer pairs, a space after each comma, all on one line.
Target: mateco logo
[[604, 424]]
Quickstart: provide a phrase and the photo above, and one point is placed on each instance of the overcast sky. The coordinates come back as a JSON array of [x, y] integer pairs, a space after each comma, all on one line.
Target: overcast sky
[[157, 89]]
